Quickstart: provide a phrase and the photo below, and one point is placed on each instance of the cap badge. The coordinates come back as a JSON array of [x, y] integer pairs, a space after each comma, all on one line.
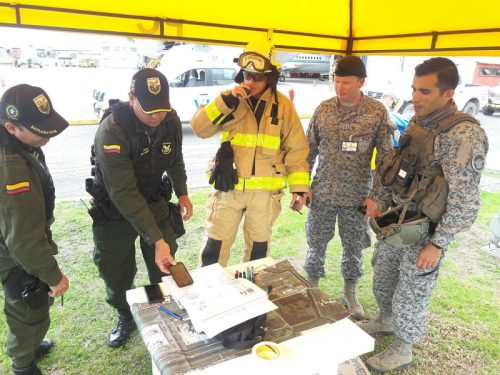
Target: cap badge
[[132, 86], [12, 112], [154, 85], [42, 103], [166, 148]]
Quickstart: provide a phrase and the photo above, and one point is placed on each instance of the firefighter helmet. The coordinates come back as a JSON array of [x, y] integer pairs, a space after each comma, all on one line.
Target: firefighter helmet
[[258, 57]]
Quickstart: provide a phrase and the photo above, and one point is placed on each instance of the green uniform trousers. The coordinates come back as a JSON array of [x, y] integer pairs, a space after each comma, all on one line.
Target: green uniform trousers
[[26, 327], [114, 256]]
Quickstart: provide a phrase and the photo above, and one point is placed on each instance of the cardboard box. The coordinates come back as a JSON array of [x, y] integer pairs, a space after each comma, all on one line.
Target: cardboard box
[[354, 366]]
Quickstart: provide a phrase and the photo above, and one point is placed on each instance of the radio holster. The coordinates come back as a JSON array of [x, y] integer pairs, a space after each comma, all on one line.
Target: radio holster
[[35, 293]]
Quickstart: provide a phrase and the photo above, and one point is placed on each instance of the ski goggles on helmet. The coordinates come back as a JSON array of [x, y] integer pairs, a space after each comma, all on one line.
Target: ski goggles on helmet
[[254, 61], [257, 77]]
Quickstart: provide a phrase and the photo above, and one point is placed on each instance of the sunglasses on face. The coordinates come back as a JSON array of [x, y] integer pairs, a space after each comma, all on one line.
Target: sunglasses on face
[[257, 77]]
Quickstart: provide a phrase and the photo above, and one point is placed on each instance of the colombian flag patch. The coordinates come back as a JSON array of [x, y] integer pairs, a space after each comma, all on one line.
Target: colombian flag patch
[[18, 188], [110, 149]]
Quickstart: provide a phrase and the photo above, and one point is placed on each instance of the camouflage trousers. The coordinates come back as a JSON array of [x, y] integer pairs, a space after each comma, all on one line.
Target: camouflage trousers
[[320, 230], [401, 289]]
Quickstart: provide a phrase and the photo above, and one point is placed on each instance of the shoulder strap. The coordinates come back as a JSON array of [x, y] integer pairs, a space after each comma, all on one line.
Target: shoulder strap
[[449, 122]]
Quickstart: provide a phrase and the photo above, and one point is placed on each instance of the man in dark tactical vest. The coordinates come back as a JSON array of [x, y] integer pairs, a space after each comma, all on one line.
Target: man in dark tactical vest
[[30, 275], [432, 187], [136, 143]]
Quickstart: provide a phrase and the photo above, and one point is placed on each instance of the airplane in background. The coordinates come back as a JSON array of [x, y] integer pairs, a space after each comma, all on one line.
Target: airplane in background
[[308, 63], [291, 62]]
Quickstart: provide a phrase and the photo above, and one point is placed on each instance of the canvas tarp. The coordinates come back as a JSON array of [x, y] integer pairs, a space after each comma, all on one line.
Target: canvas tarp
[[426, 27]]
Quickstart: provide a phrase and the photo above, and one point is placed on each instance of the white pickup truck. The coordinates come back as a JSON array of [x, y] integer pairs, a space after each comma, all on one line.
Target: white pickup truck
[[493, 104], [190, 86], [469, 98]]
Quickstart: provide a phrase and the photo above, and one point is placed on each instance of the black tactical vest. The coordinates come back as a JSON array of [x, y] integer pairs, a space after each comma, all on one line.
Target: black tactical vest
[[151, 155], [12, 144]]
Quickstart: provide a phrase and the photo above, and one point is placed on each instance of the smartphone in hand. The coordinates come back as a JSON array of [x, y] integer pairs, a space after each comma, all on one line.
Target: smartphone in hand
[[180, 274]]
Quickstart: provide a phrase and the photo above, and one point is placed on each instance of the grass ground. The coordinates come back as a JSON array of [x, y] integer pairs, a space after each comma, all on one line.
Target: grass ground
[[463, 330]]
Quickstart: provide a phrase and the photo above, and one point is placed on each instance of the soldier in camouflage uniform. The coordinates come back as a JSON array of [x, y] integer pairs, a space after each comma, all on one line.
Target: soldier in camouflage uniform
[[344, 132], [406, 272]]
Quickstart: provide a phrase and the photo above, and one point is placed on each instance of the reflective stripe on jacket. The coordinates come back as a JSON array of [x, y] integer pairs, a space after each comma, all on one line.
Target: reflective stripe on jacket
[[269, 155]]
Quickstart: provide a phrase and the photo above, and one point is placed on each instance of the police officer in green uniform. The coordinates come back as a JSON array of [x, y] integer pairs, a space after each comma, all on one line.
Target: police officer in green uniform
[[29, 272], [135, 144]]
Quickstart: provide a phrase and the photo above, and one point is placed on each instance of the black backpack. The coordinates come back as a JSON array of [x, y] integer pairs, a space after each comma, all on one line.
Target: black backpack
[[244, 335]]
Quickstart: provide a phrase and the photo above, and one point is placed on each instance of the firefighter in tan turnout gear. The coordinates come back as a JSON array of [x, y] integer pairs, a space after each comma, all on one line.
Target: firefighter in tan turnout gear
[[432, 186], [263, 149]]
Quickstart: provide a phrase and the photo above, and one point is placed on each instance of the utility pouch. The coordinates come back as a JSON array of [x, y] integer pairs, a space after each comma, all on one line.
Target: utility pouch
[[114, 214], [433, 203], [98, 193], [88, 185], [176, 217], [35, 293], [98, 217], [407, 169], [166, 187]]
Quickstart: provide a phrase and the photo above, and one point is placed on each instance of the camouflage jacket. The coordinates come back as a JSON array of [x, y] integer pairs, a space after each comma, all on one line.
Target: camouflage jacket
[[344, 178]]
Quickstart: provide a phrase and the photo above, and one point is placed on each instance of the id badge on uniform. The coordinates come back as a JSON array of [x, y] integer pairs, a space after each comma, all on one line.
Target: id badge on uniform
[[349, 146]]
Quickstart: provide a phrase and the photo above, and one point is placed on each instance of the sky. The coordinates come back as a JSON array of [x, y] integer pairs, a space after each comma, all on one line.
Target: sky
[[16, 37]]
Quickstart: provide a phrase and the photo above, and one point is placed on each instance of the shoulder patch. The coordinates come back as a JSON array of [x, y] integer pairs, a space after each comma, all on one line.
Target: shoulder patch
[[463, 152], [17, 188], [478, 162], [111, 149]]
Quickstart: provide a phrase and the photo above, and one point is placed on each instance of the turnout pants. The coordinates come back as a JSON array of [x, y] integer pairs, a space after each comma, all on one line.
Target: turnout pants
[[114, 256], [401, 289], [224, 214], [320, 230], [26, 327]]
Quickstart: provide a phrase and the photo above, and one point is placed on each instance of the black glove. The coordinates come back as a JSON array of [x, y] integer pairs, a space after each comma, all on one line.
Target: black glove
[[223, 173]]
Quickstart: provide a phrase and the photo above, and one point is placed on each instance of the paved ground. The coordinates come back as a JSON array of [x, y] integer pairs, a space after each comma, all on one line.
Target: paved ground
[[71, 92]]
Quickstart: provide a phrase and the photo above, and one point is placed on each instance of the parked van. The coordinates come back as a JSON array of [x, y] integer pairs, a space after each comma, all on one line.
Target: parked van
[[189, 88]]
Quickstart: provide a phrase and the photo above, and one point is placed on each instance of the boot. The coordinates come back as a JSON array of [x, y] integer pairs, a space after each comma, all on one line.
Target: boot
[[397, 356], [314, 280], [44, 348], [350, 299], [122, 330], [28, 370], [380, 325]]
